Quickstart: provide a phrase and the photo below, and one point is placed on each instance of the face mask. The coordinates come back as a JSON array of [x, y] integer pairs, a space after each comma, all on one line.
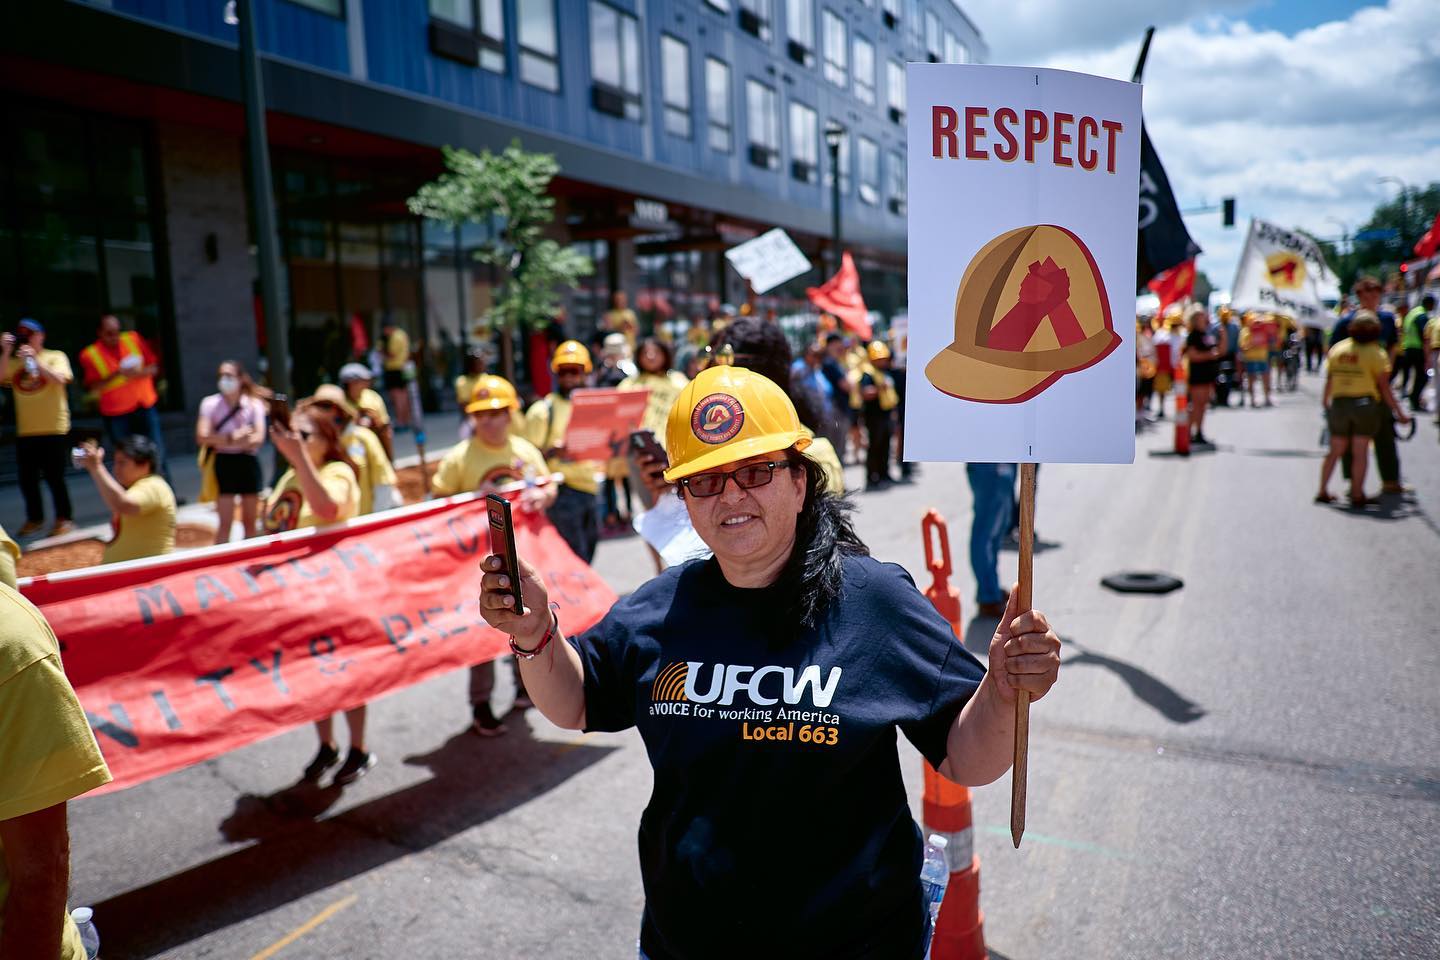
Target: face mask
[[229, 384]]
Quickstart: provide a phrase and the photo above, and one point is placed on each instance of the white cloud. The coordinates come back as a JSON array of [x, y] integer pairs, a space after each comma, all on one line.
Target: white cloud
[[1298, 128]]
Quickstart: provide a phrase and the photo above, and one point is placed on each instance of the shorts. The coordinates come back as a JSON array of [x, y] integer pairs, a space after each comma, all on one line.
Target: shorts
[[393, 379], [1256, 366], [1353, 417], [237, 474]]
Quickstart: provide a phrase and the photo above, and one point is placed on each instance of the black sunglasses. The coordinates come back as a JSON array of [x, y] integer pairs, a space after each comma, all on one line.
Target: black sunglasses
[[748, 477]]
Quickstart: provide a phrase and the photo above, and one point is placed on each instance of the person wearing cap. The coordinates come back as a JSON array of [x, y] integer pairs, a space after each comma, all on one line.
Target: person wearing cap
[[1368, 290], [621, 319], [573, 512], [493, 457], [141, 503], [872, 392], [39, 378], [373, 470], [120, 368], [1357, 381], [369, 405], [780, 667], [394, 369], [48, 757]]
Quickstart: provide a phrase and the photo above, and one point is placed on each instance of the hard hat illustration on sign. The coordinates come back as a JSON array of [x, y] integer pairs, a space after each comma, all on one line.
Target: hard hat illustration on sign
[[1286, 269], [1031, 308]]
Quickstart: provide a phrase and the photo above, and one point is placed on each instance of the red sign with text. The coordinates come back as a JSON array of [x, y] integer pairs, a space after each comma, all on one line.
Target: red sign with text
[[179, 659]]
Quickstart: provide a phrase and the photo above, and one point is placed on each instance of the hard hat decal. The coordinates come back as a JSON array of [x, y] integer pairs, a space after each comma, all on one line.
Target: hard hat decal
[[1031, 307], [717, 418]]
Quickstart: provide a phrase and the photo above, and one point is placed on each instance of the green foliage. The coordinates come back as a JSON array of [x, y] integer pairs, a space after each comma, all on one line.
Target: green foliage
[[1410, 215], [510, 192]]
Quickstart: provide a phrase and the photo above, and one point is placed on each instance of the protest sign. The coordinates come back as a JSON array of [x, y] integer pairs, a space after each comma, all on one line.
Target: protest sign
[[601, 422], [768, 260], [1281, 271], [181, 658], [1023, 184]]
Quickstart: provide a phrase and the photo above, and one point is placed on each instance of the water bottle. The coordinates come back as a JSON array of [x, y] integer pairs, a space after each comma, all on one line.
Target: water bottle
[[32, 367], [934, 876], [89, 936]]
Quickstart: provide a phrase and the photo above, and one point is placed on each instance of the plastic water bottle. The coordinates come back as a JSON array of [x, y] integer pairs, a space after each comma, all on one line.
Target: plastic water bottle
[[32, 367], [934, 876], [89, 936]]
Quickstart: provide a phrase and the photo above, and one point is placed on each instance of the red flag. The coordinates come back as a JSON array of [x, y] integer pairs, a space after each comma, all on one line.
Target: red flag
[[840, 295], [1429, 242], [181, 658], [1174, 284]]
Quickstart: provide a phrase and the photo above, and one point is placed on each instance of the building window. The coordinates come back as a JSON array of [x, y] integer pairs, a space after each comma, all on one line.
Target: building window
[[933, 44], [955, 51], [800, 25], [675, 85], [864, 71], [836, 55], [489, 40], [763, 108], [914, 24], [755, 17], [844, 159], [717, 103], [895, 90], [614, 61], [332, 7], [897, 183], [804, 144], [722, 5], [869, 154], [539, 48], [891, 12]]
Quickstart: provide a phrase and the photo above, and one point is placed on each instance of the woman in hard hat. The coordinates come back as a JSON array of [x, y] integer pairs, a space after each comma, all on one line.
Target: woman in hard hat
[[768, 682], [573, 512]]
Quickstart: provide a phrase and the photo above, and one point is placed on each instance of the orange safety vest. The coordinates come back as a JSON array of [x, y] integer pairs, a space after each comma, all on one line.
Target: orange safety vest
[[124, 396]]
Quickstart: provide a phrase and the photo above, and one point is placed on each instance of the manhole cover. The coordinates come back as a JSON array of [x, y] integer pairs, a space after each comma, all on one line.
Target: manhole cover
[[1137, 581]]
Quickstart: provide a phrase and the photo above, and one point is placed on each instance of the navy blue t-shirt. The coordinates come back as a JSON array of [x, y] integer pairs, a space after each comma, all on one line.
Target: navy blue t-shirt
[[778, 825]]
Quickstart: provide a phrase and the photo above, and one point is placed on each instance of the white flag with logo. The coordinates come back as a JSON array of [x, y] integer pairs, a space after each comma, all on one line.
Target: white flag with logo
[[1284, 272]]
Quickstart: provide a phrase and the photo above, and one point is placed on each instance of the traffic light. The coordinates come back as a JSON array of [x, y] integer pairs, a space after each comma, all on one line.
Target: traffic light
[[1227, 215]]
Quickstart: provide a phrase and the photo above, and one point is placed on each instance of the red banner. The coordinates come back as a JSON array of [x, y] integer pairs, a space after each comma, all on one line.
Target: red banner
[[840, 295], [1174, 284], [179, 659]]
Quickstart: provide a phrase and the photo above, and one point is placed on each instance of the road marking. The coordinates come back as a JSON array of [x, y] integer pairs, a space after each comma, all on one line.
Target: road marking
[[305, 928], [1079, 845]]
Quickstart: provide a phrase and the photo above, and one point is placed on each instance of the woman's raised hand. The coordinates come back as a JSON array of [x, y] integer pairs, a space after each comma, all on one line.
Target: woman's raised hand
[[497, 606], [1024, 653]]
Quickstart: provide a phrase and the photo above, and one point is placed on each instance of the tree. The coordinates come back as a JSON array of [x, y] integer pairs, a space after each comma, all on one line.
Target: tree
[[511, 191], [1408, 215]]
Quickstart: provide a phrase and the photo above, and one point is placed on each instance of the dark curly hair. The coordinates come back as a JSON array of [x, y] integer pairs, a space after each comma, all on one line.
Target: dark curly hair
[[762, 347], [824, 536]]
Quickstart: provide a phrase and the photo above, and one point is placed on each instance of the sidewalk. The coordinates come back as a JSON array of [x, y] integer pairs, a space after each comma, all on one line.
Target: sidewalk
[[442, 431]]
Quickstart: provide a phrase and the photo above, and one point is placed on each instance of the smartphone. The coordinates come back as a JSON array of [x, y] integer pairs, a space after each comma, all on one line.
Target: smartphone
[[502, 543], [280, 410], [643, 444]]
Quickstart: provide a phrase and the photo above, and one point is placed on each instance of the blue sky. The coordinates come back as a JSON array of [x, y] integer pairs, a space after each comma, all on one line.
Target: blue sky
[[1295, 107]]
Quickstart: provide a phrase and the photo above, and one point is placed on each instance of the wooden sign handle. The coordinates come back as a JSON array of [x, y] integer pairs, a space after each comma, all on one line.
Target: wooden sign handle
[[1022, 699]]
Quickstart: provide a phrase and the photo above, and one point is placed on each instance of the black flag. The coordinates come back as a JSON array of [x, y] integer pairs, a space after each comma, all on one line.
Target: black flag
[[1164, 241]]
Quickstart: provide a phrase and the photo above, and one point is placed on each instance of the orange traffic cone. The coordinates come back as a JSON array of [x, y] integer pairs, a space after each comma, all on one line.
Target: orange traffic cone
[[960, 931], [940, 592], [1182, 411]]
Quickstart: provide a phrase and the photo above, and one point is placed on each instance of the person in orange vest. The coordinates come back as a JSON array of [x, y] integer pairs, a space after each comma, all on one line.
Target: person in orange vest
[[120, 368]]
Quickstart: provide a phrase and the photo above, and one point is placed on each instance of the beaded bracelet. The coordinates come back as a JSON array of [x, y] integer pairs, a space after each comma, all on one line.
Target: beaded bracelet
[[550, 632]]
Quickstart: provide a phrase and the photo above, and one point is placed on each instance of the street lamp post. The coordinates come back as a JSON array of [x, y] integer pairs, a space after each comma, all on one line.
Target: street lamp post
[[262, 201], [834, 136]]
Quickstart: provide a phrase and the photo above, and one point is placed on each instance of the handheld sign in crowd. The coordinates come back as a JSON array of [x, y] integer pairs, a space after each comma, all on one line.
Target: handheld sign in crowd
[[601, 422], [1023, 186], [768, 260], [1281, 271]]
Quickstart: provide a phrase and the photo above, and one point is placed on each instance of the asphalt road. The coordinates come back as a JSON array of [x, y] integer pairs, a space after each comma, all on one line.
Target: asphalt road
[[1247, 767]]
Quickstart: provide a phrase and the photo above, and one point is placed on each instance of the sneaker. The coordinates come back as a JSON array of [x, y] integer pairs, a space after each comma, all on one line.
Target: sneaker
[[522, 700], [357, 764], [62, 527], [485, 722], [325, 758], [30, 528]]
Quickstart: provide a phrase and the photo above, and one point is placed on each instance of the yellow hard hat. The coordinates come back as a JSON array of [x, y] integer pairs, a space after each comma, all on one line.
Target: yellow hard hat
[[727, 414], [571, 352], [492, 393], [877, 351], [336, 397]]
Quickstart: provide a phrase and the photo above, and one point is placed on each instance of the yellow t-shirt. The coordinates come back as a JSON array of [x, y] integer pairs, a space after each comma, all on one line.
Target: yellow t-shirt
[[1432, 332], [822, 451], [397, 350], [287, 508], [623, 321], [1253, 345], [148, 533], [374, 404], [9, 557], [664, 391], [369, 455], [545, 425], [1354, 367], [47, 753], [470, 463], [42, 407]]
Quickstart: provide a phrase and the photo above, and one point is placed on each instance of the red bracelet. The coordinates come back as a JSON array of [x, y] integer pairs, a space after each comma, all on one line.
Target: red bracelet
[[550, 632]]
